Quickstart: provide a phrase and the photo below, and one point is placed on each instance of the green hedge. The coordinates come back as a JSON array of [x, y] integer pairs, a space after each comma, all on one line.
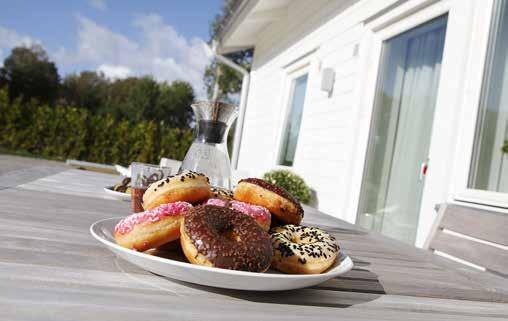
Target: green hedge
[[73, 133], [291, 182]]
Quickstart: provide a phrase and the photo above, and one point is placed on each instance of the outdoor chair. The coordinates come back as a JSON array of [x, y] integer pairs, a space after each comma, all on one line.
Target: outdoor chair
[[471, 235]]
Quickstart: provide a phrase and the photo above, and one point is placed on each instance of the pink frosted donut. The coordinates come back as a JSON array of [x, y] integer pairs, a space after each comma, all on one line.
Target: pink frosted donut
[[151, 228], [259, 213]]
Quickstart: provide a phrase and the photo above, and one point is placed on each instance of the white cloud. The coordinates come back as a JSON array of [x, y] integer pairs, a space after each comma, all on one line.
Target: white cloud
[[114, 72], [10, 39], [160, 51], [98, 4]]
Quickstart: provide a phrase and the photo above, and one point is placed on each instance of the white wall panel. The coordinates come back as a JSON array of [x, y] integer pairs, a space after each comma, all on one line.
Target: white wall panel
[[324, 155]]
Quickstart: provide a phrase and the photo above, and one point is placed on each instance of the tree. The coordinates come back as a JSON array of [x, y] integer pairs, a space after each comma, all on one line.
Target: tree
[[3, 78], [132, 98], [230, 82], [30, 74], [143, 98], [87, 89], [174, 103]]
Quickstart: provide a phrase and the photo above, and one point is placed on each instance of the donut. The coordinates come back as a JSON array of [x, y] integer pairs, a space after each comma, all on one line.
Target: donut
[[302, 250], [189, 187], [284, 206], [224, 238], [223, 194], [151, 228], [258, 213]]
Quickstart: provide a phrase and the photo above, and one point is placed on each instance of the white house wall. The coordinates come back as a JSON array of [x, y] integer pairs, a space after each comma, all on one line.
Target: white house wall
[[328, 133]]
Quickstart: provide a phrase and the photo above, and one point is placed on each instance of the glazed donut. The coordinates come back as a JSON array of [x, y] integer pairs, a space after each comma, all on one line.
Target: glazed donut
[[276, 199], [258, 213], [302, 250], [221, 193], [221, 237], [151, 228], [189, 187]]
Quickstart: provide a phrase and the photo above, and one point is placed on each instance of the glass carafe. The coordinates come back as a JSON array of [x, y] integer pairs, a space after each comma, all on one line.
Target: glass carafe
[[208, 153]]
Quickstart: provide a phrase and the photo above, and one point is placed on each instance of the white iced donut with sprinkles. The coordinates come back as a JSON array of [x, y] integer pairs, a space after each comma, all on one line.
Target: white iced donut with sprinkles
[[302, 250], [151, 228]]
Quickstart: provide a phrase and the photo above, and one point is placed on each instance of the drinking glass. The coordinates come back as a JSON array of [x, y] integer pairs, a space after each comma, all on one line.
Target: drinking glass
[[142, 176]]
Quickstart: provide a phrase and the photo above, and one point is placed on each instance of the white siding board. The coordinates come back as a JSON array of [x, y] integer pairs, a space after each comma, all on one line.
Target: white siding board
[[329, 124]]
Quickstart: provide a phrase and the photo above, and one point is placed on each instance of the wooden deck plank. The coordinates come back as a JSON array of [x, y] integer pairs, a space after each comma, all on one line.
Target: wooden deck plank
[[75, 182], [478, 253], [308, 303], [19, 176], [482, 224]]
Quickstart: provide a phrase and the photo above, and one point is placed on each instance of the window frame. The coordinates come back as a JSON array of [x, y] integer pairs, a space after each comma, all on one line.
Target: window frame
[[473, 99], [291, 73]]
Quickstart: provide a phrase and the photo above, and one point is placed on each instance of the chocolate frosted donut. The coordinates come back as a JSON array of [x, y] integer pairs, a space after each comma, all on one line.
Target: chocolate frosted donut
[[284, 206], [224, 238]]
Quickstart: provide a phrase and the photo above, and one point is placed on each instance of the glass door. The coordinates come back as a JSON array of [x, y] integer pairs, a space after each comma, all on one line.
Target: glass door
[[397, 157]]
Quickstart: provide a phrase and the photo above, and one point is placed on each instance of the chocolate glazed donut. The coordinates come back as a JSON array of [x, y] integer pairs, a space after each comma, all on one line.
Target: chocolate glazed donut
[[224, 238]]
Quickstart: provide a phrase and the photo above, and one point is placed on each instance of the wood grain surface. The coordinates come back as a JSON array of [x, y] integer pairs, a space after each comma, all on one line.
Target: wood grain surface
[[482, 224], [493, 258], [52, 269]]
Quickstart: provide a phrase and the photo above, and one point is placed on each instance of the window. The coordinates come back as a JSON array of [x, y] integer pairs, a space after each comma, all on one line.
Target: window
[[489, 167], [293, 121]]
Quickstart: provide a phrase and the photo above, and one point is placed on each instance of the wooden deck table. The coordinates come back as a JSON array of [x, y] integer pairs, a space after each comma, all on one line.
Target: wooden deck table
[[52, 269]]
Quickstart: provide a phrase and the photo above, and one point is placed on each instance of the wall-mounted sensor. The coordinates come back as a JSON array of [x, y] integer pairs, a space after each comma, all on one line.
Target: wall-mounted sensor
[[327, 80]]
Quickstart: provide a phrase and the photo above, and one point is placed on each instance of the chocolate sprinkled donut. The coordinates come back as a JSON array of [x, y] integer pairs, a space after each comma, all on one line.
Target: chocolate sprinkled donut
[[222, 193], [302, 249], [284, 206], [189, 187], [225, 238]]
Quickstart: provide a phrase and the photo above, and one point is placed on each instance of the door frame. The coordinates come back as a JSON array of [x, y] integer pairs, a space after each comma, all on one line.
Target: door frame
[[444, 134], [393, 135]]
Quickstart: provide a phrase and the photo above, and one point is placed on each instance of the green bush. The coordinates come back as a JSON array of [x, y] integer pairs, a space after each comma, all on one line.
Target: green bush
[[73, 133], [291, 182]]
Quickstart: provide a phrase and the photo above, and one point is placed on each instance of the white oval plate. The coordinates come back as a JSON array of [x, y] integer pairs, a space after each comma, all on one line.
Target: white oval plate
[[173, 265], [117, 195]]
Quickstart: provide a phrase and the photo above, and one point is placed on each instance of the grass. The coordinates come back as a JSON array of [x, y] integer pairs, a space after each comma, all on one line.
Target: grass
[[24, 153]]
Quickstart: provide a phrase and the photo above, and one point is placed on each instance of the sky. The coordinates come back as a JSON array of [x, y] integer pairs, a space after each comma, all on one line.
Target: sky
[[121, 38]]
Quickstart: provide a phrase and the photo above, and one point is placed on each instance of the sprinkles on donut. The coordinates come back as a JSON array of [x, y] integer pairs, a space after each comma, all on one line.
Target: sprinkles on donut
[[188, 187], [221, 193], [302, 249], [151, 228]]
